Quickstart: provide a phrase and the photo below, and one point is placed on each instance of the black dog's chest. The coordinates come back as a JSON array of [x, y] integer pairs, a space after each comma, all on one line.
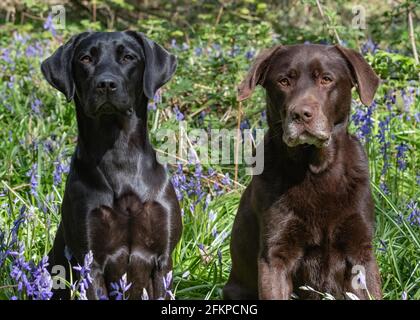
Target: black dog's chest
[[128, 227]]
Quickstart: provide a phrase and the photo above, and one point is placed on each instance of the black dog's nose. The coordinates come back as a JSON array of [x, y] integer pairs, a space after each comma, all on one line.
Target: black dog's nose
[[303, 113], [105, 85]]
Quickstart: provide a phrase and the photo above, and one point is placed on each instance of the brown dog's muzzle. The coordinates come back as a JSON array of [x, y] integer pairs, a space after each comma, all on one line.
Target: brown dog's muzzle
[[306, 123]]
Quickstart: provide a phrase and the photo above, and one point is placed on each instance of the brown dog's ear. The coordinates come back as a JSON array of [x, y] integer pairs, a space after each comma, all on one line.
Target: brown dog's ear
[[57, 69], [366, 78], [256, 75]]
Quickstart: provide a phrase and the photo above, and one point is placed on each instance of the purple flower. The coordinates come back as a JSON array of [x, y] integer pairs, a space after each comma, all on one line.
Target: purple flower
[[33, 281], [226, 180], [31, 51], [198, 51], [60, 168], [369, 46], [235, 51], [384, 188], [6, 56], [167, 281], [85, 278], [414, 217], [217, 49], [120, 288], [408, 98], [178, 114], [35, 104], [34, 179], [362, 118], [174, 44], [384, 245], [250, 54], [49, 25], [67, 253], [401, 156]]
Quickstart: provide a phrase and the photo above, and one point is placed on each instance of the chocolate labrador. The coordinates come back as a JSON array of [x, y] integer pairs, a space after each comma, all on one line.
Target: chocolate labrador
[[308, 219], [118, 202]]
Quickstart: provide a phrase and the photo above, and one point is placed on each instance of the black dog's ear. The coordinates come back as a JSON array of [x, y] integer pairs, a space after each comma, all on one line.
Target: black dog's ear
[[160, 65], [366, 79], [57, 68], [256, 75]]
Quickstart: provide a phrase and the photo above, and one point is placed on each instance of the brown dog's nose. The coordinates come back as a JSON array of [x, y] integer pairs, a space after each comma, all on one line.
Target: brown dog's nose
[[105, 85], [303, 113]]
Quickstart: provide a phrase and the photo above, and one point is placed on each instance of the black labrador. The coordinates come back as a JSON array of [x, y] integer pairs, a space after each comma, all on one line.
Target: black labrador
[[118, 202], [308, 219]]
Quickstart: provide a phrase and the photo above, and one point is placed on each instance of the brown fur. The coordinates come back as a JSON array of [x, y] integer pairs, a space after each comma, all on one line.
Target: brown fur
[[308, 218]]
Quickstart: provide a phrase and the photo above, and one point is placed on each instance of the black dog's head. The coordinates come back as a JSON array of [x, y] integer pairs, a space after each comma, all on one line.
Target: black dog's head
[[108, 71], [309, 89]]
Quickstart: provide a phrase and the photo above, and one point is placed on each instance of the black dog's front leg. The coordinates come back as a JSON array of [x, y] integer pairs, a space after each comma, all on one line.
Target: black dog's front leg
[[59, 267], [97, 289]]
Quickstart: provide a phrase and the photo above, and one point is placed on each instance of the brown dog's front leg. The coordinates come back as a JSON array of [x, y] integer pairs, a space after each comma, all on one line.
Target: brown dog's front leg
[[274, 281]]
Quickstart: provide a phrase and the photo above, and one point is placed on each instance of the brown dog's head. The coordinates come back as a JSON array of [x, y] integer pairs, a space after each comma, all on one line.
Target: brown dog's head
[[309, 89]]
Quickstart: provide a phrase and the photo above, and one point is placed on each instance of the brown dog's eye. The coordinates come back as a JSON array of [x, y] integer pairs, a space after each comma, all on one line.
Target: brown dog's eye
[[86, 59], [128, 57], [326, 80], [284, 82]]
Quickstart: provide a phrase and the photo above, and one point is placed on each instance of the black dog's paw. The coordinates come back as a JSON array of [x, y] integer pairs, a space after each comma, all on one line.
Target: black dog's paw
[[164, 263]]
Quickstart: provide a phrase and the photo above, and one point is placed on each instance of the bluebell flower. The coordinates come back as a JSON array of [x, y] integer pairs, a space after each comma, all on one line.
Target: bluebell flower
[[35, 104], [34, 179], [414, 216], [30, 51], [174, 44], [384, 245], [250, 54], [384, 188], [120, 288], [49, 25], [198, 51], [178, 114], [362, 118], [84, 273], [6, 56], [33, 281], [226, 180], [60, 168], [401, 156], [235, 51], [369, 46], [214, 232], [167, 280]]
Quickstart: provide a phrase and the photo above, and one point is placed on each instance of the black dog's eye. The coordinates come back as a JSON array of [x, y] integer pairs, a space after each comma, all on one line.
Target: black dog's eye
[[284, 82], [326, 80], [127, 58], [86, 59]]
